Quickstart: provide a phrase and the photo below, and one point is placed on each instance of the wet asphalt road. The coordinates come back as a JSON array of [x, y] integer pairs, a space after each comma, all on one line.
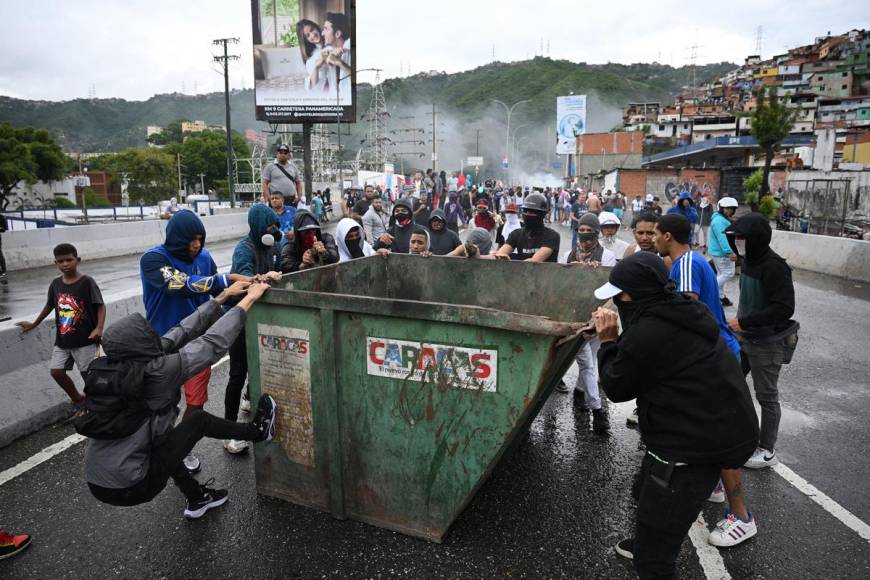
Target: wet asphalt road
[[553, 509]]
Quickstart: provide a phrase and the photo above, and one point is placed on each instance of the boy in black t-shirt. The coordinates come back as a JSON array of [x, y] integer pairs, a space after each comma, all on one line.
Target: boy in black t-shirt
[[79, 313]]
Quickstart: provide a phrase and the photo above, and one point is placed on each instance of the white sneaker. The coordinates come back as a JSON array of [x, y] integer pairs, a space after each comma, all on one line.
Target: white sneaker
[[732, 531], [718, 495], [235, 446], [632, 418], [192, 463], [762, 458], [245, 405]]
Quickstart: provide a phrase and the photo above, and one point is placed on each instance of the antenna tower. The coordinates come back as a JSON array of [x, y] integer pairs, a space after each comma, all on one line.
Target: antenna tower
[[759, 38], [376, 140]]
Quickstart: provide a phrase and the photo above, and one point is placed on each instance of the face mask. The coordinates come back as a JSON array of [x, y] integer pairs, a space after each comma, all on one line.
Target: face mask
[[587, 237], [627, 311], [402, 218], [270, 239], [354, 247], [741, 247], [308, 239], [533, 221]]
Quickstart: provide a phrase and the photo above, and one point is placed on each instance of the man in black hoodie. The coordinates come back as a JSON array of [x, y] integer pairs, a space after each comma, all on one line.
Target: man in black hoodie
[[398, 236], [767, 334], [695, 411], [309, 247], [442, 240]]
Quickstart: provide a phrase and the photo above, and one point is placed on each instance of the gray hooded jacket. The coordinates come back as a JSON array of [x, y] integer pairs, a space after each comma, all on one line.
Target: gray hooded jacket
[[188, 348]]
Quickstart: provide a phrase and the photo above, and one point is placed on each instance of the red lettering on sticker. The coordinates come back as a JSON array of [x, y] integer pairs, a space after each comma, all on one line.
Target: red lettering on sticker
[[373, 352], [427, 359], [303, 347], [481, 369]]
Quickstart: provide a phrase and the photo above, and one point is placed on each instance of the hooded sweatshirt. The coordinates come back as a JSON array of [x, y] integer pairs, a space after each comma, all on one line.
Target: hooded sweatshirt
[[443, 241], [693, 403], [291, 254], [401, 234], [251, 256], [718, 246], [453, 212], [173, 283], [345, 253], [766, 288], [689, 212], [185, 350]]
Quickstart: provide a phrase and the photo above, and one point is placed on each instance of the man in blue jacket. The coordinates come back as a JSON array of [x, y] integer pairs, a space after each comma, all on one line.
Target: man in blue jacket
[[685, 207], [177, 277], [257, 255]]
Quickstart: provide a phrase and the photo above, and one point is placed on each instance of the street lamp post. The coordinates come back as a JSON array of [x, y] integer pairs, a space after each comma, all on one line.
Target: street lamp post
[[509, 111]]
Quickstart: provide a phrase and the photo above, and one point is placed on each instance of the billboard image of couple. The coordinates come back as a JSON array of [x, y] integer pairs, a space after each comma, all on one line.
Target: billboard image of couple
[[304, 65]]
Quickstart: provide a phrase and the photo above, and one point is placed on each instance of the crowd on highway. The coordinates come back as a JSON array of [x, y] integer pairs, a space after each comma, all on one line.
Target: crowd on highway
[[694, 409]]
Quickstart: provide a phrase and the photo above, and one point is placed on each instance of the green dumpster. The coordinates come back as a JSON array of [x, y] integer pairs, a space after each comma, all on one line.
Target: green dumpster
[[401, 381]]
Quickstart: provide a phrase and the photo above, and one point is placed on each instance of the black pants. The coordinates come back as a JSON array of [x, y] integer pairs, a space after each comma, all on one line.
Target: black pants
[[238, 375], [669, 502], [2, 257], [167, 459]]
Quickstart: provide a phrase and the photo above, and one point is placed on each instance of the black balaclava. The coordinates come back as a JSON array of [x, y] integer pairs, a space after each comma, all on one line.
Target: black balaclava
[[645, 277], [533, 220]]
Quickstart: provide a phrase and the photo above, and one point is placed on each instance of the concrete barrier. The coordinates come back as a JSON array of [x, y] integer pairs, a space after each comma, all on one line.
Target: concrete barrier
[[33, 248], [842, 257], [31, 399]]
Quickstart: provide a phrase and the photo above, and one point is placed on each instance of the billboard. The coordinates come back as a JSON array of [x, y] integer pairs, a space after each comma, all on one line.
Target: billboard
[[570, 122], [304, 60]]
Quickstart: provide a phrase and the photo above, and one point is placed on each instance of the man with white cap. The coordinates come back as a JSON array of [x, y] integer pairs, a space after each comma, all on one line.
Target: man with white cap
[[718, 248], [696, 413]]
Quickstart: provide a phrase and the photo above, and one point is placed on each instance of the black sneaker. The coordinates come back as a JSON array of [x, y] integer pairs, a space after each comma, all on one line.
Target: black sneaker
[[625, 548], [265, 418], [727, 302], [600, 420], [210, 498], [3, 279]]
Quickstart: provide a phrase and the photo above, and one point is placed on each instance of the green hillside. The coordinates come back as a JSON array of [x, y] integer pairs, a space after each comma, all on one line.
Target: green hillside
[[113, 124]]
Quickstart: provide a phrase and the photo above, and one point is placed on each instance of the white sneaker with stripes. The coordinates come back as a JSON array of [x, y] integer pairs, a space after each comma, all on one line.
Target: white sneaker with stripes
[[732, 531]]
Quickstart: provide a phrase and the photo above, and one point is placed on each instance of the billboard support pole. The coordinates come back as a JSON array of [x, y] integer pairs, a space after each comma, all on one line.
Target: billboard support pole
[[306, 159]]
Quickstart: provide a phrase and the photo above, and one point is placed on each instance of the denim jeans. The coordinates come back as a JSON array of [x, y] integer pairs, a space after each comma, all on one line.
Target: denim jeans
[[765, 361], [667, 506], [587, 373]]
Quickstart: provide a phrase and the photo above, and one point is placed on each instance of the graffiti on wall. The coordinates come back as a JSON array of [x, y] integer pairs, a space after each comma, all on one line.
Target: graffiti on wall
[[674, 189]]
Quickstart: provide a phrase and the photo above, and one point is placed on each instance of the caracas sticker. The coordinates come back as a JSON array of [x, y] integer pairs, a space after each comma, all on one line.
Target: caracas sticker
[[457, 366]]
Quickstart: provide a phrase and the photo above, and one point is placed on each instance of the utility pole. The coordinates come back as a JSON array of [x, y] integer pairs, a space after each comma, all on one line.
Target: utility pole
[[477, 147], [178, 161], [225, 60], [202, 183], [434, 139]]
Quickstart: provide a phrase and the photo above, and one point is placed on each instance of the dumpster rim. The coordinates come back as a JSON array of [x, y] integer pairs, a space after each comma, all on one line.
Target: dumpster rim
[[468, 314]]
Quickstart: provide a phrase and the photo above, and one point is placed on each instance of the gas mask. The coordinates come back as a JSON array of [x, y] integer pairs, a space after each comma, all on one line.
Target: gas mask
[[270, 239]]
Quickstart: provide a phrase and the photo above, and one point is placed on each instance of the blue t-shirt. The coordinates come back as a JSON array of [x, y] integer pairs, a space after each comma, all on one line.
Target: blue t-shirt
[[286, 218], [693, 274]]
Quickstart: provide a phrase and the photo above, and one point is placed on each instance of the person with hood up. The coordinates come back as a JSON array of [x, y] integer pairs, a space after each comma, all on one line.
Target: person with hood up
[[696, 413], [719, 249], [442, 240], [310, 247], [419, 244], [763, 323], [511, 223], [454, 213], [398, 233], [351, 243], [133, 469], [610, 223], [256, 255], [177, 277], [685, 207], [478, 243], [589, 251]]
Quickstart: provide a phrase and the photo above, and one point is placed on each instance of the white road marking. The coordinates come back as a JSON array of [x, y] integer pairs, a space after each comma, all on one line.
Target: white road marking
[[709, 556], [56, 449], [828, 504], [40, 457]]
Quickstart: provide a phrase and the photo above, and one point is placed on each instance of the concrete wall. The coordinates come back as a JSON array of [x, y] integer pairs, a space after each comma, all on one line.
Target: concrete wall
[[840, 257], [30, 398], [33, 248], [821, 195]]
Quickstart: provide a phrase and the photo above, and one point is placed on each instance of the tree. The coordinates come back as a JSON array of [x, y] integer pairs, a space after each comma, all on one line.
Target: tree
[[771, 123], [29, 155], [150, 173], [206, 153]]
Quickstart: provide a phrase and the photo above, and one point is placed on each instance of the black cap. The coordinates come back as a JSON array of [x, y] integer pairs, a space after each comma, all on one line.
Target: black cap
[[283, 147]]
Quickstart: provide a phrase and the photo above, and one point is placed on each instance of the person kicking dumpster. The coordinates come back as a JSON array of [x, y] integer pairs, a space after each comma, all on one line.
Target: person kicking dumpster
[[131, 398]]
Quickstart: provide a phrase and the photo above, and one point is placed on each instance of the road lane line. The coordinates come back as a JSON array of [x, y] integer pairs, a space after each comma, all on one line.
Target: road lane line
[[40, 457], [829, 505], [56, 449], [709, 556]]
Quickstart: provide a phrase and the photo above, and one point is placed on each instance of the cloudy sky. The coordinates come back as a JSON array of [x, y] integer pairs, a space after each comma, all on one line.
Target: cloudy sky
[[135, 48]]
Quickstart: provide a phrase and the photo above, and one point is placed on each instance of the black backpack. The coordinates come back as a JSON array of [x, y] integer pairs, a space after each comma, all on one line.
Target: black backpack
[[114, 407]]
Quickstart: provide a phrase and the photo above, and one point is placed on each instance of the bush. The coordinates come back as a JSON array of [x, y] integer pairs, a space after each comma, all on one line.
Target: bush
[[93, 200], [767, 206], [752, 185], [61, 202]]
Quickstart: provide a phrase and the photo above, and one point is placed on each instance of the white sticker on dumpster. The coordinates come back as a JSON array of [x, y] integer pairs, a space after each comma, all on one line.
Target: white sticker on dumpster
[[458, 366], [285, 373]]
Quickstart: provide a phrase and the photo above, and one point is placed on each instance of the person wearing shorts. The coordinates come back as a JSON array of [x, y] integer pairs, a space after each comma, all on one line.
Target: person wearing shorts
[[79, 314]]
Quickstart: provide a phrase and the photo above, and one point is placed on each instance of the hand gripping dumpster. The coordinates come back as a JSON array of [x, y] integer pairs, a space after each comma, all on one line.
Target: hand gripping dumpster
[[401, 381]]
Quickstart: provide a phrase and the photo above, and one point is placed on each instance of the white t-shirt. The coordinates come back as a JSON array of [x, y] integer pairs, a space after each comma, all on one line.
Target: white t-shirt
[[649, 197], [637, 205]]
